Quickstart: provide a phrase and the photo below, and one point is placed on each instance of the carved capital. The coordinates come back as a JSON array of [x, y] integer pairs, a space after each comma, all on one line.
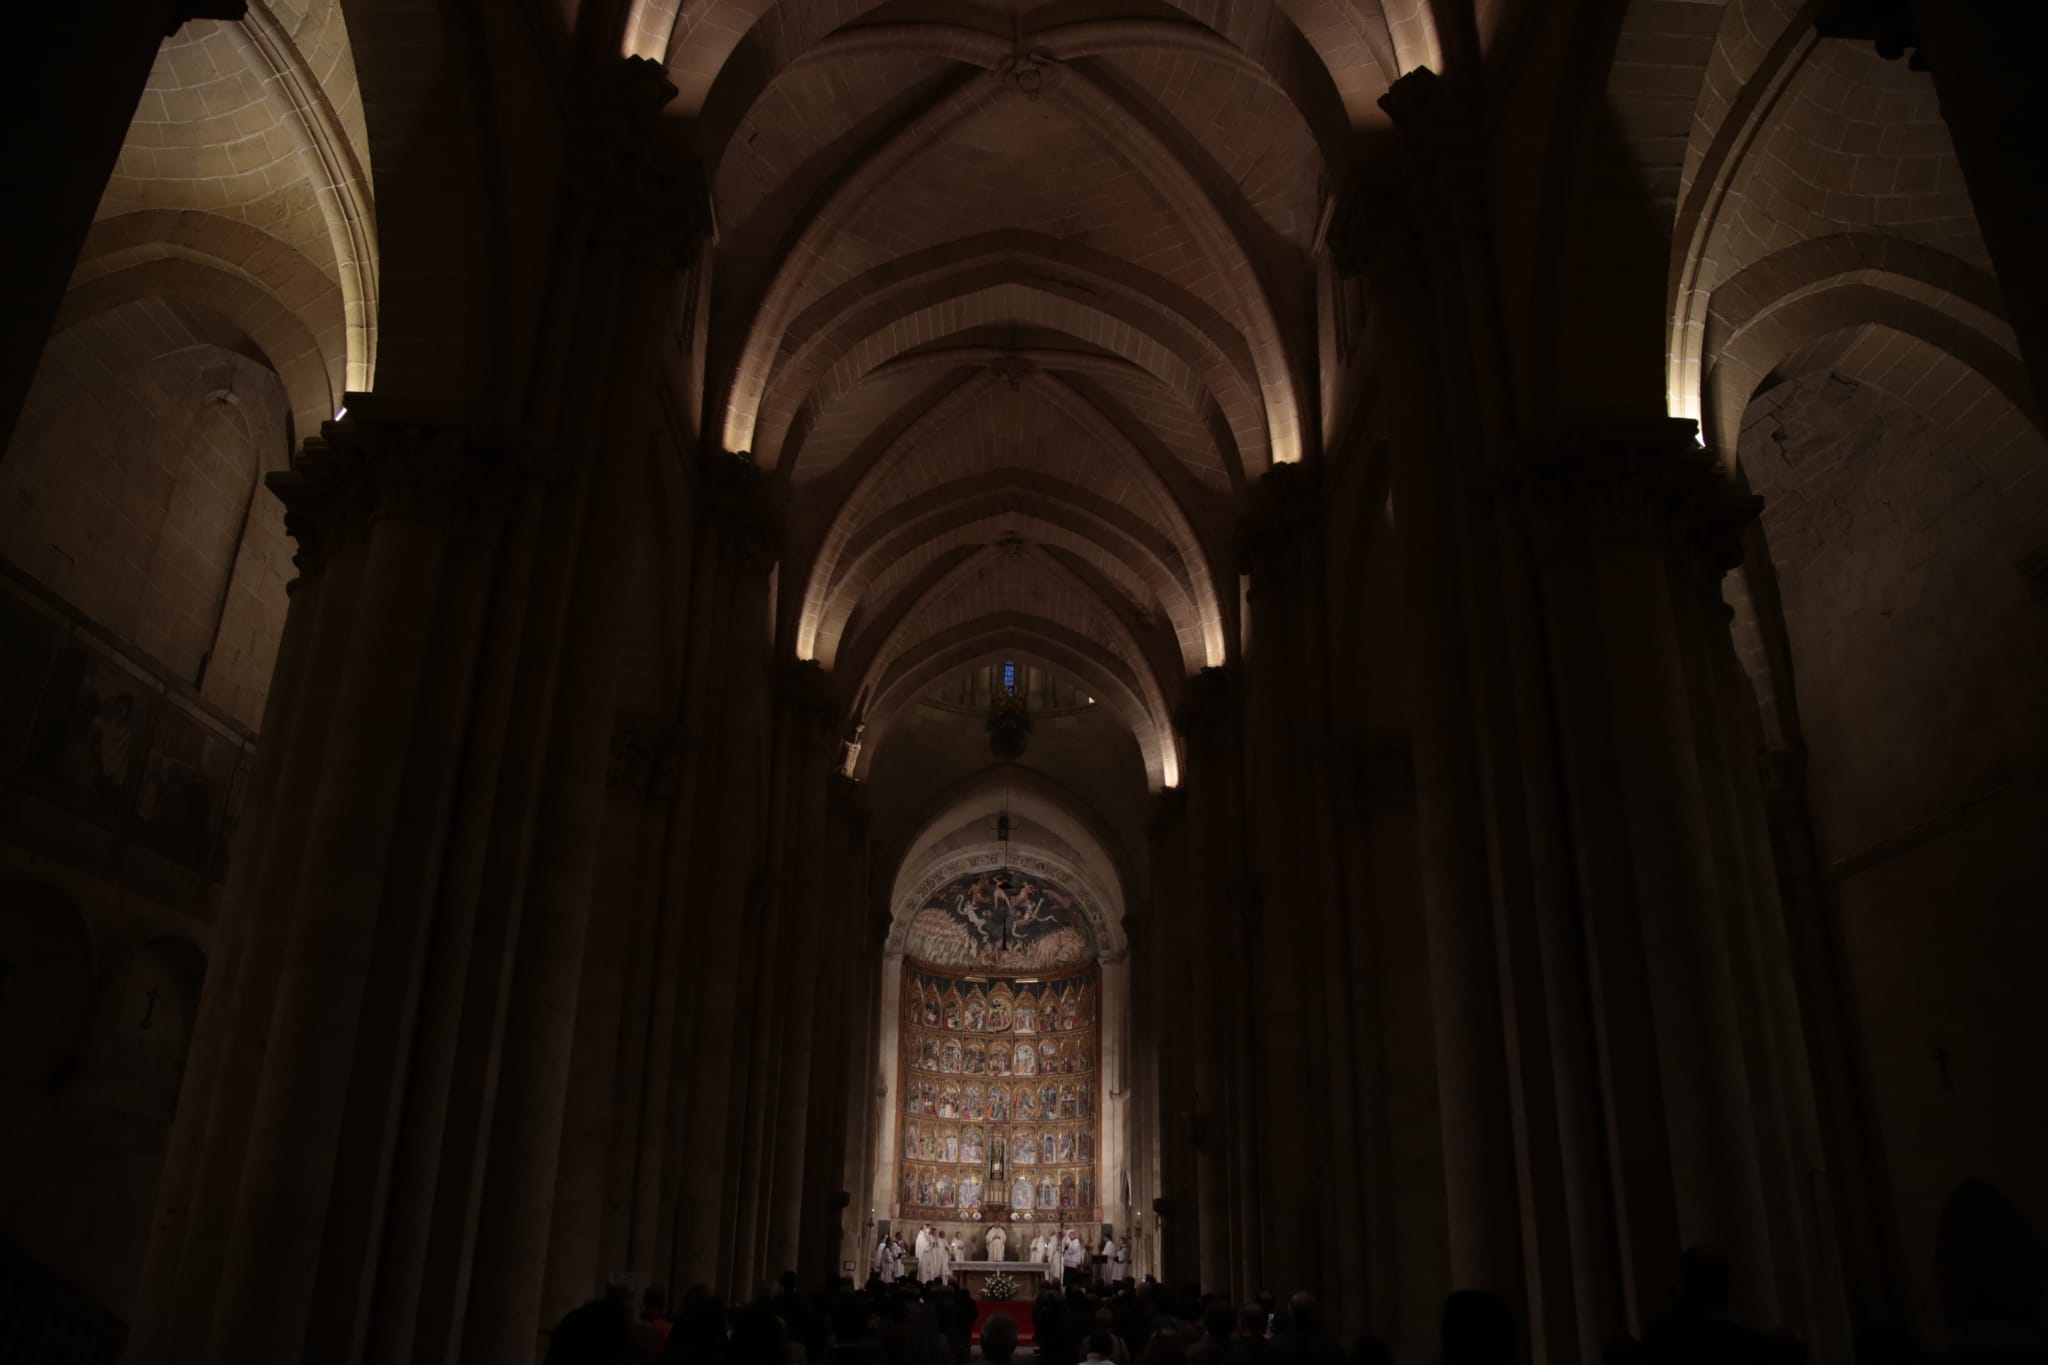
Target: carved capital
[[1648, 484], [1395, 208], [1443, 141], [804, 689], [326, 505], [1376, 222], [631, 190], [744, 505], [1169, 809], [372, 465], [646, 756], [1282, 525], [1208, 702]]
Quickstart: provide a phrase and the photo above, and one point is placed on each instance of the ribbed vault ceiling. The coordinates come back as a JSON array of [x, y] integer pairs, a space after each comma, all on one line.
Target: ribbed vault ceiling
[[1015, 301]]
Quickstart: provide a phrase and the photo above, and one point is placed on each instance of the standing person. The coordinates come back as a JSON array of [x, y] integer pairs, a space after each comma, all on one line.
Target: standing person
[[1299, 1338], [888, 1261], [654, 1321], [997, 1241], [924, 1254], [1075, 1257], [1116, 1254], [956, 1250]]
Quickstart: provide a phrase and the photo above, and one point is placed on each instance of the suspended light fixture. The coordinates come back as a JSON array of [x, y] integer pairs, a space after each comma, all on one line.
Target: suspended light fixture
[[1009, 723]]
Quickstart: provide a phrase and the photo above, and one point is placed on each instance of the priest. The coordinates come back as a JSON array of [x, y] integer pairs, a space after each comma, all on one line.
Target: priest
[[998, 1241], [930, 1252], [1116, 1260], [1074, 1256]]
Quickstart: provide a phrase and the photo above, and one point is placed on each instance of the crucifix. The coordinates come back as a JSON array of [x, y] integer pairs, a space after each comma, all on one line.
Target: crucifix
[[149, 1010], [1948, 1082]]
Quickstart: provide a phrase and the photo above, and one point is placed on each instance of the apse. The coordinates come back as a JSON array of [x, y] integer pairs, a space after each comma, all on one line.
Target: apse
[[1003, 998]]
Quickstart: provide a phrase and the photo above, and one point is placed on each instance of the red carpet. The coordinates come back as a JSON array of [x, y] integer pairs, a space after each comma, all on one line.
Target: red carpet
[[1020, 1309]]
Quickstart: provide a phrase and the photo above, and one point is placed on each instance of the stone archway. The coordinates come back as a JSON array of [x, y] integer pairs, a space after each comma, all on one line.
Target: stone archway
[[924, 956]]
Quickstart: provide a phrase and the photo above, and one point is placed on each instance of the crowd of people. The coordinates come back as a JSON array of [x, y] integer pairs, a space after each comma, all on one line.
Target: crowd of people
[[1130, 1323]]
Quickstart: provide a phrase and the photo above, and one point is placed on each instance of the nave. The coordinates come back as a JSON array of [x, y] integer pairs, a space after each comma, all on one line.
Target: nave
[[1375, 648]]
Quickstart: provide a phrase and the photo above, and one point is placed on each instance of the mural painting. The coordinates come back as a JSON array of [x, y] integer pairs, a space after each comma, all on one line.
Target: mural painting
[[999, 922]]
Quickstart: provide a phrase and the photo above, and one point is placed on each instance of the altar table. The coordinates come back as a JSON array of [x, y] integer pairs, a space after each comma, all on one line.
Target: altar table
[[973, 1276]]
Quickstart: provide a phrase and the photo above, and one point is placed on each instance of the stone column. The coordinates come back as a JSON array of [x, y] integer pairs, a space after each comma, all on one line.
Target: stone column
[[196, 1190], [1376, 802], [796, 1224], [384, 495], [1185, 1099], [540, 1023], [743, 511], [1309, 1207], [1381, 229], [1567, 1274], [77, 93], [1635, 505], [1985, 58], [1202, 872], [589, 1231]]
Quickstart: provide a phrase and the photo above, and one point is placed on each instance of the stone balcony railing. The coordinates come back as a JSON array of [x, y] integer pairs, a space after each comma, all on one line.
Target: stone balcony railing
[[107, 762]]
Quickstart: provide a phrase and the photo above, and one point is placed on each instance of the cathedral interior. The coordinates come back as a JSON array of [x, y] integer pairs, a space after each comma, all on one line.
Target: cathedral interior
[[1382, 646]]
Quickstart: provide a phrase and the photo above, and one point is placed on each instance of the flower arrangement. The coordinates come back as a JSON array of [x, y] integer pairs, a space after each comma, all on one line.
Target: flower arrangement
[[999, 1286]]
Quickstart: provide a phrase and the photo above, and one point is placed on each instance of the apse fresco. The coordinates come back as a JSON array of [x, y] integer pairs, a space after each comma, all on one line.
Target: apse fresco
[[1000, 922], [999, 1117]]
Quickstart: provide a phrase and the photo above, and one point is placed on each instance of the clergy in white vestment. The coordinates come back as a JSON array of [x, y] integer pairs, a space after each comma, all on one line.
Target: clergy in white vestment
[[1050, 1257], [1074, 1256], [887, 1262], [998, 1241], [956, 1250], [1116, 1260], [1038, 1249], [928, 1253]]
